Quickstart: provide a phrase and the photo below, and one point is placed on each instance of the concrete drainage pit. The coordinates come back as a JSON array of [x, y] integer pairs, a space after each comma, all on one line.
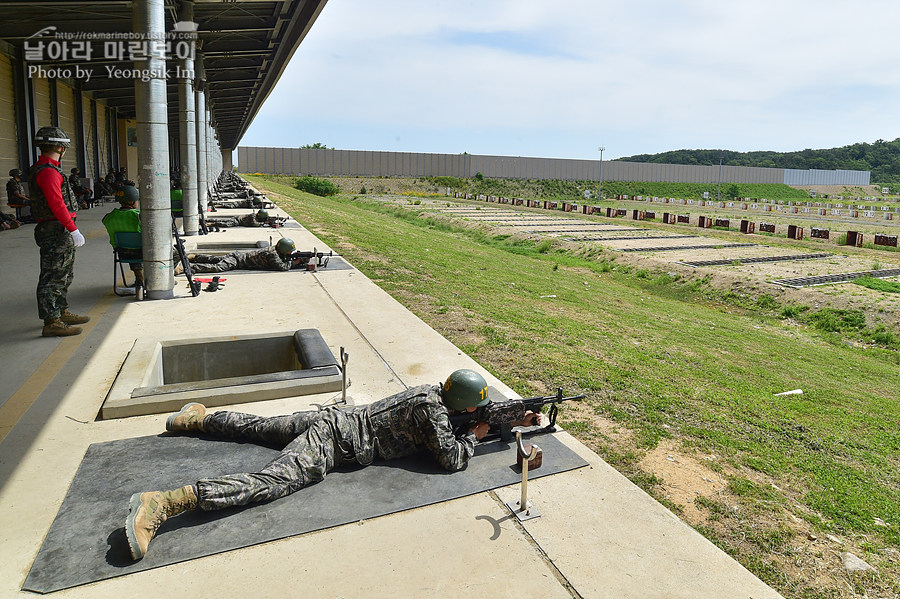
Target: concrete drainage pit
[[161, 375], [226, 247]]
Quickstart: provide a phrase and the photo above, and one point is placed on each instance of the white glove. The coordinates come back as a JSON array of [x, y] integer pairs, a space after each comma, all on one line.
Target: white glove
[[78, 238]]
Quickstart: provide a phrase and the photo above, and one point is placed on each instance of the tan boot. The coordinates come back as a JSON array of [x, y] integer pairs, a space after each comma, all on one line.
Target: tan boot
[[149, 510], [55, 327], [179, 269], [190, 418], [69, 318]]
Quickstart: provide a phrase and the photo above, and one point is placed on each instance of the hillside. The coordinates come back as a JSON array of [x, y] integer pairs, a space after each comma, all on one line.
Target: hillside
[[882, 158]]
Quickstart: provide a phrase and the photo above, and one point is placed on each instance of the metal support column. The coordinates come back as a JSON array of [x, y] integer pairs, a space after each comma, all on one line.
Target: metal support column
[[200, 97], [97, 174], [24, 112], [187, 128], [78, 136], [54, 103], [153, 152]]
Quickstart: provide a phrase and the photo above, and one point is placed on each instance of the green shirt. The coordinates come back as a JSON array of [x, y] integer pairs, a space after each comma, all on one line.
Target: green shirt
[[122, 220]]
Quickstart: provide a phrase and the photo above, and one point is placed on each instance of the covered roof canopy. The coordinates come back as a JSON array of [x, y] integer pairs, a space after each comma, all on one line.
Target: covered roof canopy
[[245, 46]]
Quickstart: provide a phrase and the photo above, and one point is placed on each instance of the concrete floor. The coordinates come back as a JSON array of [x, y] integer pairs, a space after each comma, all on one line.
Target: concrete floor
[[598, 535]]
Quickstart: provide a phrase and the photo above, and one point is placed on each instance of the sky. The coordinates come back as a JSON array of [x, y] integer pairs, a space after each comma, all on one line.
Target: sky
[[561, 79]]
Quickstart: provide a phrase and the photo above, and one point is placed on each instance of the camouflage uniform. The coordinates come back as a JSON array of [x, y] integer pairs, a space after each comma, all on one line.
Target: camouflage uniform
[[314, 443], [262, 259], [238, 204], [56, 245], [247, 220]]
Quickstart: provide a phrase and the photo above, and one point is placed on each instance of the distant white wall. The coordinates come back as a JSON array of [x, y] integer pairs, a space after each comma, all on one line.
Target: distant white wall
[[354, 163]]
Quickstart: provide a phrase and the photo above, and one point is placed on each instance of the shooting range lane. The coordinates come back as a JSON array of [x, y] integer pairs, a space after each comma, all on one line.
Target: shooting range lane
[[87, 543], [684, 249]]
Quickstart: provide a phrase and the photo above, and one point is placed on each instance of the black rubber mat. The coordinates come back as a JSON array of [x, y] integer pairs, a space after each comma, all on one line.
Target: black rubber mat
[[87, 543]]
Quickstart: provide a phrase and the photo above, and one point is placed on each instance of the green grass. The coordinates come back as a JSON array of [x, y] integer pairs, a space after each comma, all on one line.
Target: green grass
[[878, 284], [664, 356]]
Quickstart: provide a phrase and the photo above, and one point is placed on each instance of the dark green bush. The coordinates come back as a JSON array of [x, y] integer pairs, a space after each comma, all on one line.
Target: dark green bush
[[835, 321], [316, 186]]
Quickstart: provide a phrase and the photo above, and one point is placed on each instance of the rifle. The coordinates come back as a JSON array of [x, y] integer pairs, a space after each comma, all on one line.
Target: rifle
[[275, 221], [499, 414], [304, 258]]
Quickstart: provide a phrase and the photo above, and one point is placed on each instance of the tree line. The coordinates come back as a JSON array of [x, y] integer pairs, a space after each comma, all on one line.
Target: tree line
[[881, 158]]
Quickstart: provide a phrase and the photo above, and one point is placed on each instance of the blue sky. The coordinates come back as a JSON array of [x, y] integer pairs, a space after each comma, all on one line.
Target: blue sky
[[559, 79]]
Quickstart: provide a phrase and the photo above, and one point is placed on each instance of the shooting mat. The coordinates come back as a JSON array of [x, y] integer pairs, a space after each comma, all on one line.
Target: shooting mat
[[87, 543]]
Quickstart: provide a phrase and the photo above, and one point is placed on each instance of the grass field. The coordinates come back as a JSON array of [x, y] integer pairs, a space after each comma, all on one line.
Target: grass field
[[669, 362]]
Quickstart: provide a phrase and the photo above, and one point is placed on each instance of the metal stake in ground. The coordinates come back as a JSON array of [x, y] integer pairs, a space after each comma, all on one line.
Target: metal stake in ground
[[345, 357], [521, 509]]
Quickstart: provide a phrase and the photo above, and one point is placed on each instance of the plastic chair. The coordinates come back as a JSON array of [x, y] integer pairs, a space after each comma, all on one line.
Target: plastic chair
[[126, 240]]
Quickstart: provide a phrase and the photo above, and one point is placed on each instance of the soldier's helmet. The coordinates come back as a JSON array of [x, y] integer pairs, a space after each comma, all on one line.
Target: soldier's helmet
[[465, 389], [74, 170], [51, 136], [262, 216], [14, 172], [128, 194], [285, 246]]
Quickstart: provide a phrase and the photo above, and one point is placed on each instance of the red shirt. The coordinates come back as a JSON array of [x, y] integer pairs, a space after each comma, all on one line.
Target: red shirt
[[51, 181]]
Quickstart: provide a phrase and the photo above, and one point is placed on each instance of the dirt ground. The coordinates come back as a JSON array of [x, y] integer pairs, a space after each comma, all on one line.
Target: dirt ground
[[833, 191]]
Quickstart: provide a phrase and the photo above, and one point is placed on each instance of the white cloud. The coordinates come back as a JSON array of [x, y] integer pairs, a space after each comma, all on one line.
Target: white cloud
[[639, 77]]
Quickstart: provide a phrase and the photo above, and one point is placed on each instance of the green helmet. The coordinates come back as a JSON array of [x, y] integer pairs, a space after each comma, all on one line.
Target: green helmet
[[74, 170], [262, 216], [465, 389], [51, 136], [14, 172], [285, 246], [128, 194]]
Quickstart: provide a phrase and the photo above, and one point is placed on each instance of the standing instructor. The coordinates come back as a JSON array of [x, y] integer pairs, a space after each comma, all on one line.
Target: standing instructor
[[53, 207]]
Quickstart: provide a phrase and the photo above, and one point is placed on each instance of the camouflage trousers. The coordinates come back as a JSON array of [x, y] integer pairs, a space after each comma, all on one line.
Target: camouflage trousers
[[235, 204], [314, 443], [203, 263], [57, 268]]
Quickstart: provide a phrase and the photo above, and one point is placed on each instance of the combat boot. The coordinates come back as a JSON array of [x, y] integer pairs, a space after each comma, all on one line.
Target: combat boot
[[189, 418], [149, 510], [69, 318], [55, 327]]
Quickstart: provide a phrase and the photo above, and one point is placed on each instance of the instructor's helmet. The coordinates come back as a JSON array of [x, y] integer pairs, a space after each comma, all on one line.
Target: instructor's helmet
[[465, 389], [14, 172], [285, 246], [128, 194], [51, 136], [262, 216]]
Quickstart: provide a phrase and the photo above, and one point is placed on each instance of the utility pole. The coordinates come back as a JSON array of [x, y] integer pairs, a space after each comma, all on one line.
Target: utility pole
[[600, 184], [719, 190]]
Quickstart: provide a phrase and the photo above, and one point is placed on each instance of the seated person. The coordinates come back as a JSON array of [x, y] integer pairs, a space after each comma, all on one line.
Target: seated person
[[247, 220], [7, 222], [16, 197], [82, 193], [122, 178], [125, 219], [278, 258], [104, 190]]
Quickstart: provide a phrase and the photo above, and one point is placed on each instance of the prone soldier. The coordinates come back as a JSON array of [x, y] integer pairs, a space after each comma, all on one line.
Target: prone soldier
[[278, 258], [314, 443]]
